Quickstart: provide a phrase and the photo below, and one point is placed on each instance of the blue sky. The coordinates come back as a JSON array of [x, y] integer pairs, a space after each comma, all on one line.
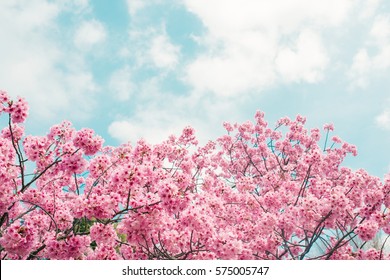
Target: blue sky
[[131, 68]]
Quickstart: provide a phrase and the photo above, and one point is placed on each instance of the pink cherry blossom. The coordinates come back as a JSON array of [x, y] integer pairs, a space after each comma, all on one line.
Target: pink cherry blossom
[[257, 192]]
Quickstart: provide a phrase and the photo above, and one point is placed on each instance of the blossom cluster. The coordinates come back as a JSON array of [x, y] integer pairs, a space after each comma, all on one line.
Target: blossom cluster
[[256, 192]]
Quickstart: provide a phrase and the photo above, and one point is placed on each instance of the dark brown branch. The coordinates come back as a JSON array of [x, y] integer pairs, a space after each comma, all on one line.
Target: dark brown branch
[[34, 253]]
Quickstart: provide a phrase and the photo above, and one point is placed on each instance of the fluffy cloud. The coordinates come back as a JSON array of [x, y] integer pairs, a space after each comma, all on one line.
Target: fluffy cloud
[[383, 120], [38, 66], [134, 130], [30, 15], [225, 16], [252, 44], [159, 114], [305, 61], [163, 53], [380, 30], [76, 6], [89, 34], [154, 128], [121, 84], [134, 6], [242, 64], [122, 131], [368, 8], [360, 68], [374, 58]]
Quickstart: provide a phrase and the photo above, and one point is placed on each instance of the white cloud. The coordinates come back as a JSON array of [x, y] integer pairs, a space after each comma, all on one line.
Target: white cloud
[[121, 84], [383, 120], [380, 30], [249, 42], [155, 123], [245, 62], [157, 115], [306, 61], [225, 16], [134, 130], [367, 8], [37, 66], [154, 128], [160, 114], [28, 14], [81, 4], [76, 6], [360, 68], [123, 131], [230, 72], [374, 58], [151, 47], [134, 6], [154, 119], [89, 34], [163, 53]]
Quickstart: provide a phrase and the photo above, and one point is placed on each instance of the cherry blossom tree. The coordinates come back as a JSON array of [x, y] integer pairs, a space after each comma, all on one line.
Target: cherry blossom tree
[[254, 193]]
